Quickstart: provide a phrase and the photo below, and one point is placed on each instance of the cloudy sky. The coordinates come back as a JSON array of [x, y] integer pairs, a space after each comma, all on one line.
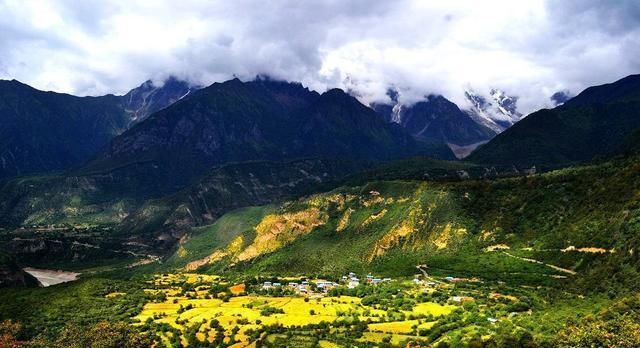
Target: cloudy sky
[[531, 49]]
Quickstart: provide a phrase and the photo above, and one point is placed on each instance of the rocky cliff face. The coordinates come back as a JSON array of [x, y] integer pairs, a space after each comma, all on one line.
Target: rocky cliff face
[[150, 97], [497, 110]]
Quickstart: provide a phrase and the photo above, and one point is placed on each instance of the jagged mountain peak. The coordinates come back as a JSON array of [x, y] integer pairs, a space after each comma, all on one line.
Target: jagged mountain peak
[[496, 110], [506, 103], [434, 119], [150, 97], [280, 87], [393, 94]]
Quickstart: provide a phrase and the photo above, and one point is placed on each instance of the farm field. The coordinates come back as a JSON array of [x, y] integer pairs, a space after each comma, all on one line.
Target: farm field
[[207, 313], [195, 310]]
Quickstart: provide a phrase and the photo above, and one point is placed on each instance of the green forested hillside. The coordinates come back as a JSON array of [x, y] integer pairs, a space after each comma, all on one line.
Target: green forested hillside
[[584, 220], [86, 217], [44, 131]]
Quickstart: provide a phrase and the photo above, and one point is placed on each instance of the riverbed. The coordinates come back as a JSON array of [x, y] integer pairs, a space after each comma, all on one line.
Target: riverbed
[[48, 277]]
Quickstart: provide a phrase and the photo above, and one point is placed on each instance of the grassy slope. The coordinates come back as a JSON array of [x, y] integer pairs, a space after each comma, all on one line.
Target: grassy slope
[[82, 302], [203, 240]]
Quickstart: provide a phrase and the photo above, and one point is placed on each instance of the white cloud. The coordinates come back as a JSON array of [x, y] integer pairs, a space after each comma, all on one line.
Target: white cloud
[[528, 48]]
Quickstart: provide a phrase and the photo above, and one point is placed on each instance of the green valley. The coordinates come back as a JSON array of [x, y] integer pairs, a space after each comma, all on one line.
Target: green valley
[[511, 260], [319, 174]]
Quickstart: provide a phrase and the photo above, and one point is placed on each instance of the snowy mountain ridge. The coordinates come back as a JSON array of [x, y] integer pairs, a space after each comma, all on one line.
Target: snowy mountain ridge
[[497, 110]]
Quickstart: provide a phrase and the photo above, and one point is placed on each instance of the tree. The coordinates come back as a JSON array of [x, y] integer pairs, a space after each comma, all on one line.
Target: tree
[[621, 332], [100, 335], [8, 332]]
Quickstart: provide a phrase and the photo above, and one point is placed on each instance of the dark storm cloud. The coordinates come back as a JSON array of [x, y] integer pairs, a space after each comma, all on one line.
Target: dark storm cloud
[[532, 49]]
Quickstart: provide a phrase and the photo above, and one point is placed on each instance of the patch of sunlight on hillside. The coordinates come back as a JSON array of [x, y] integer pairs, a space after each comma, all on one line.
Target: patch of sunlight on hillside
[[447, 235], [232, 249], [275, 230], [344, 221]]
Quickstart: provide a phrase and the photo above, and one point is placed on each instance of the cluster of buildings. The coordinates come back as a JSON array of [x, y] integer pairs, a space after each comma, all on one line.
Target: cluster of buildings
[[299, 287], [325, 285], [419, 281], [352, 281], [303, 287]]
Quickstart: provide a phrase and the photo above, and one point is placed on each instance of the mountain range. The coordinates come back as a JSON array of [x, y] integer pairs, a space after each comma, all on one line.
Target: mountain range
[[237, 121], [596, 122], [285, 138], [168, 198], [120, 162], [435, 119], [120, 157], [45, 131], [34, 122], [163, 138]]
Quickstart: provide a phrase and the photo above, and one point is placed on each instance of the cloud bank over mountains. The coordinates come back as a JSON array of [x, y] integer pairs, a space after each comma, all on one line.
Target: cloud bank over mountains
[[529, 49]]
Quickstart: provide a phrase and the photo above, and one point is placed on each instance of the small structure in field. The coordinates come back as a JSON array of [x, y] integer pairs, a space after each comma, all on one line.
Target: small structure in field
[[353, 283]]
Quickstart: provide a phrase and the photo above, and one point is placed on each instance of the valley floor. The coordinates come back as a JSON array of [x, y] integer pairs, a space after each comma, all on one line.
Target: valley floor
[[546, 260], [430, 309], [190, 309]]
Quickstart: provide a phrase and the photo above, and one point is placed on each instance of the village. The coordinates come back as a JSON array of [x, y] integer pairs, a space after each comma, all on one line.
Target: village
[[320, 287], [398, 309]]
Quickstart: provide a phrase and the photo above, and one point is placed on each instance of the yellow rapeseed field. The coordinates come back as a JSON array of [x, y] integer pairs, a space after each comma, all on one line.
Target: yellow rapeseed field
[[245, 311]]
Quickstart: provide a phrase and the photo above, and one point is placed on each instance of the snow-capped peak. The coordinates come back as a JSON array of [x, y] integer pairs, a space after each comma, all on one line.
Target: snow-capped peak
[[396, 113], [497, 110]]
